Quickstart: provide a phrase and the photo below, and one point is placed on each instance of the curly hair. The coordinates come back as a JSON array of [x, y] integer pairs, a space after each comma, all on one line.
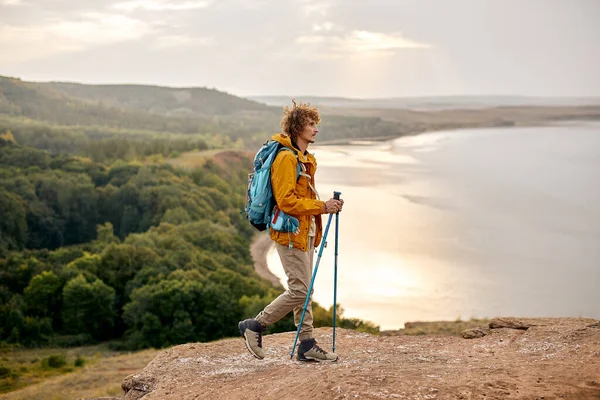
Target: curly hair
[[296, 118]]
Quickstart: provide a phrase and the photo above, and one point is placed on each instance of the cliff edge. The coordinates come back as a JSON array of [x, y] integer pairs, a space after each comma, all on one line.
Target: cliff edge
[[539, 358]]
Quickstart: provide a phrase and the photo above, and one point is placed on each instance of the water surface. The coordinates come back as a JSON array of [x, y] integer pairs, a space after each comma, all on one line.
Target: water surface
[[470, 223]]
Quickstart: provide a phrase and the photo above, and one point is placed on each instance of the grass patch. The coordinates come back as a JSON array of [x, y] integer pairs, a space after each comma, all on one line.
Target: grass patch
[[67, 373], [54, 361], [79, 361]]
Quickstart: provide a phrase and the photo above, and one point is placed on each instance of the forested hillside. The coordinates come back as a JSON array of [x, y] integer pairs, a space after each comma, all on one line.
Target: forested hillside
[[108, 122], [81, 239], [38, 102], [103, 144], [161, 100], [143, 253], [63, 112]]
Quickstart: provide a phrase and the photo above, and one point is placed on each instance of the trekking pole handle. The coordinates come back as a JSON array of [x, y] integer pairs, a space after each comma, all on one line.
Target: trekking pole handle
[[336, 195]]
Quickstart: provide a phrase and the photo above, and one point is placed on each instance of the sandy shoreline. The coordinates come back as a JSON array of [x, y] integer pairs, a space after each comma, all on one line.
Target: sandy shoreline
[[259, 249]]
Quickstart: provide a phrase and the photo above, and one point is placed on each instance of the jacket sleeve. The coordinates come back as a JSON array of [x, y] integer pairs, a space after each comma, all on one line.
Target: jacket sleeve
[[283, 182]]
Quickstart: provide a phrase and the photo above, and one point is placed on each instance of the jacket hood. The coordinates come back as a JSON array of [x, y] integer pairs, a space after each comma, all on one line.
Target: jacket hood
[[286, 140]]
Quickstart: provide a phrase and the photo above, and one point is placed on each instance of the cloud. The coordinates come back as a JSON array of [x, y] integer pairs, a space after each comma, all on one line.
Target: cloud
[[162, 5], [360, 42], [23, 43], [313, 39], [332, 42], [314, 8], [173, 41], [251, 4], [374, 41], [326, 26], [321, 9]]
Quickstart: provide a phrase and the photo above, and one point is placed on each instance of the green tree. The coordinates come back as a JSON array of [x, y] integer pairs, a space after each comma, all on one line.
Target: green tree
[[43, 296], [88, 307], [11, 314], [119, 265], [16, 327], [72, 197], [220, 312], [109, 206], [13, 222], [166, 313], [130, 221], [17, 270], [105, 235], [184, 307], [45, 226], [237, 284], [176, 216], [87, 264]]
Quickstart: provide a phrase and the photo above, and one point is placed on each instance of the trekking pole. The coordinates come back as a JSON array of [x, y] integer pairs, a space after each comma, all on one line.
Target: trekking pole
[[312, 281], [336, 195]]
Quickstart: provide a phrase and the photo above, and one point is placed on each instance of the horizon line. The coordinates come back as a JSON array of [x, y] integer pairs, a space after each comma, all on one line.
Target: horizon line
[[336, 97]]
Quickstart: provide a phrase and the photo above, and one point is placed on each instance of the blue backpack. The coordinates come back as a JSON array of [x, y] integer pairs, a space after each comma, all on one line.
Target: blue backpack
[[260, 202]]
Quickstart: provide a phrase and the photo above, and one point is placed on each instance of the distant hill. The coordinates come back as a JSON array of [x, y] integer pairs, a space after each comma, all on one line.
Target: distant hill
[[103, 111], [431, 103], [40, 102], [163, 110], [135, 107], [161, 100]]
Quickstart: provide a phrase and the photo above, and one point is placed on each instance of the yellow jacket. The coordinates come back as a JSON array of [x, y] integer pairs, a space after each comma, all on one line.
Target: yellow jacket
[[295, 198]]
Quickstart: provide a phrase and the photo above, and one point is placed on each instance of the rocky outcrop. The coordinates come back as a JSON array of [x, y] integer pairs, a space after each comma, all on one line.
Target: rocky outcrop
[[550, 359], [473, 333], [511, 323], [136, 386]]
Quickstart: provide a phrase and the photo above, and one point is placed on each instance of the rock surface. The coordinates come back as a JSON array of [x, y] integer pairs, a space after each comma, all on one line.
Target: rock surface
[[551, 359], [473, 333], [514, 323]]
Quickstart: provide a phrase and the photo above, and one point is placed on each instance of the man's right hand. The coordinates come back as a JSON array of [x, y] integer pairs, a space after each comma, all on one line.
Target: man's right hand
[[333, 206]]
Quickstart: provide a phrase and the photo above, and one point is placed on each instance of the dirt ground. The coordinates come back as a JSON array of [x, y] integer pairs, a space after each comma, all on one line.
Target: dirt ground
[[545, 359]]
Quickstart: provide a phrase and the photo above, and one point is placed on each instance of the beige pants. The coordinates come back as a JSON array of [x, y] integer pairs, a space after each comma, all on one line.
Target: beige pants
[[297, 265]]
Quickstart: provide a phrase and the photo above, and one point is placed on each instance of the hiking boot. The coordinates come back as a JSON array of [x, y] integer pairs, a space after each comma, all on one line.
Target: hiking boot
[[251, 331], [308, 350]]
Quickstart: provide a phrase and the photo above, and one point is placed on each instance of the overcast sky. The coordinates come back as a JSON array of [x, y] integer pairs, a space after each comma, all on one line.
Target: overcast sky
[[352, 48]]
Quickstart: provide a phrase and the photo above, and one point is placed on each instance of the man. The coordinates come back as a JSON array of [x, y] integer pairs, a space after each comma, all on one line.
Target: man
[[298, 198]]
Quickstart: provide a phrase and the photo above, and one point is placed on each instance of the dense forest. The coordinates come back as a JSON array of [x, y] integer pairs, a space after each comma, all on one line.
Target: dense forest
[[144, 253], [101, 239]]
